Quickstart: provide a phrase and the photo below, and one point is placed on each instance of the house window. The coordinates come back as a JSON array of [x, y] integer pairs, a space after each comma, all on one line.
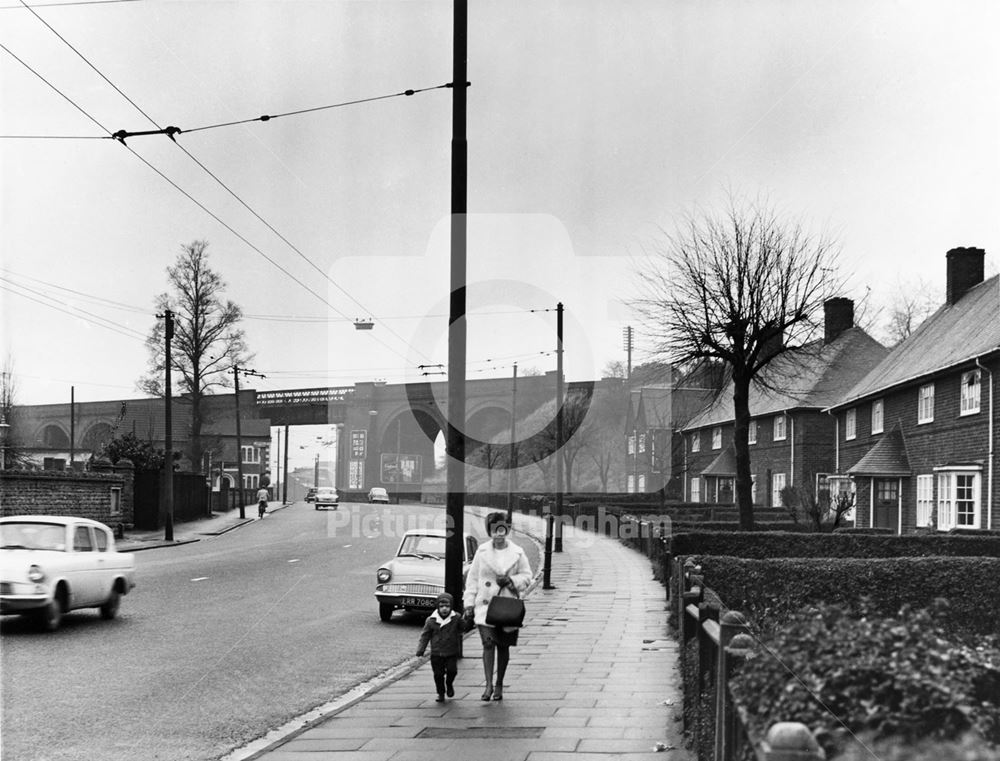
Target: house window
[[925, 404], [725, 491], [851, 424], [753, 488], [630, 484], [878, 415], [970, 392], [777, 484], [842, 489], [752, 432], [642, 483], [642, 443], [631, 444], [696, 441], [717, 437], [251, 480], [779, 427], [958, 499], [116, 500], [696, 489], [654, 462], [822, 487], [925, 500], [251, 455]]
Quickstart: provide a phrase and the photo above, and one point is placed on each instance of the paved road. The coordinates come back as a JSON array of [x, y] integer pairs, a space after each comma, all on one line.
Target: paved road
[[222, 640]]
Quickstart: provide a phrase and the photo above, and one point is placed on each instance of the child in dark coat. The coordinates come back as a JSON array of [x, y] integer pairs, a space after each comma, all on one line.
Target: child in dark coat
[[443, 631]]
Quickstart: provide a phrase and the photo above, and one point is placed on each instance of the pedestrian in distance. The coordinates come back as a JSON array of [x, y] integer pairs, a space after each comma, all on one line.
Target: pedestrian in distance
[[443, 631], [262, 497], [499, 567]]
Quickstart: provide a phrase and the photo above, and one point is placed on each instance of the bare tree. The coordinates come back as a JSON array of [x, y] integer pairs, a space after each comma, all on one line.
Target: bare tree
[[910, 304], [207, 342], [739, 288], [543, 445], [614, 369], [14, 455]]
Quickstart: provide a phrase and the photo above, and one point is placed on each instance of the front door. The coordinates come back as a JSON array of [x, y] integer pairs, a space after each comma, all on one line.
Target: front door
[[887, 503]]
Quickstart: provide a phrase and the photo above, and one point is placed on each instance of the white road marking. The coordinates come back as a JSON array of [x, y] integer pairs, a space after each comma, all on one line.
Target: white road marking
[[200, 578], [294, 560]]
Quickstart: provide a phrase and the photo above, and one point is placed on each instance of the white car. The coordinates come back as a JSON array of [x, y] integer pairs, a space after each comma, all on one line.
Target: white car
[[415, 577], [326, 496], [53, 564], [378, 494]]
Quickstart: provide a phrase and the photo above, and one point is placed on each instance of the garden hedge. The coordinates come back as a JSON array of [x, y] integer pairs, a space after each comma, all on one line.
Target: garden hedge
[[836, 545], [771, 591], [896, 680]]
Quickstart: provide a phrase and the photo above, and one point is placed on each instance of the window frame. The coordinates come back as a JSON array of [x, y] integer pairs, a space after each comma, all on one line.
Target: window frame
[[878, 416], [696, 441], [717, 437], [752, 432], [948, 487], [250, 454], [851, 424], [696, 489], [776, 489], [925, 404], [925, 499], [965, 403], [780, 431]]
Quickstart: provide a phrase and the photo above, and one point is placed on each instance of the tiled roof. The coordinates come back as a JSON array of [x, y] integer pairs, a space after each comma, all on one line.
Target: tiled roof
[[886, 458], [954, 334], [724, 464], [813, 377]]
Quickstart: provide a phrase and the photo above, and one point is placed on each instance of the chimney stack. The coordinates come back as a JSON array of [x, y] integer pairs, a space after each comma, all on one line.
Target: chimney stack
[[838, 316], [965, 271]]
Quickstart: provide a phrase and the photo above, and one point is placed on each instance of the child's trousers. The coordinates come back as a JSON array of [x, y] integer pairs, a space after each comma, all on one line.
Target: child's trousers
[[445, 668]]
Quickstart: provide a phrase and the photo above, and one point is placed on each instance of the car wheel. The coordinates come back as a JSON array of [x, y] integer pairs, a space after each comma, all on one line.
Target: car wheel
[[110, 608], [385, 611], [316, 507], [51, 615]]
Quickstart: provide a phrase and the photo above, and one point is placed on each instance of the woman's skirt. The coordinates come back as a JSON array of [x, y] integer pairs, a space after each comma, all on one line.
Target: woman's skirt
[[498, 636]]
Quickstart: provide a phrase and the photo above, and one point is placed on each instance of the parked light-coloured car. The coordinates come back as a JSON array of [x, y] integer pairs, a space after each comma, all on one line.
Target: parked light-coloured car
[[326, 496], [378, 494], [415, 577], [53, 564]]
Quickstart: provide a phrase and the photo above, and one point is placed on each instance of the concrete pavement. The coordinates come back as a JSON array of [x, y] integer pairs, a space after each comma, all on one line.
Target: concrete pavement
[[595, 677], [193, 531]]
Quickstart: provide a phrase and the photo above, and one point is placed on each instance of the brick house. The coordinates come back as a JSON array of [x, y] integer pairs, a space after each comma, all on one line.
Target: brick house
[[792, 436], [916, 436], [654, 446]]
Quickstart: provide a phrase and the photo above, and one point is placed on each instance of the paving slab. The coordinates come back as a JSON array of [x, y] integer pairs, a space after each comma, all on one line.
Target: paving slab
[[595, 677]]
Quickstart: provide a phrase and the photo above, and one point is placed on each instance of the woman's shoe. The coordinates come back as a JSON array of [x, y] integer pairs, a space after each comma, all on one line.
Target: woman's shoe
[[487, 694], [498, 693]]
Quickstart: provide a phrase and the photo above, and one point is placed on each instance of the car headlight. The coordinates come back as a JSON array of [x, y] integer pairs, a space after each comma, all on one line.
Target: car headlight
[[36, 574], [383, 575]]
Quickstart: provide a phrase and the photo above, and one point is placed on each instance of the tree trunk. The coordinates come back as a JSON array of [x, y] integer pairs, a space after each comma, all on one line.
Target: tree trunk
[[744, 487], [196, 448]]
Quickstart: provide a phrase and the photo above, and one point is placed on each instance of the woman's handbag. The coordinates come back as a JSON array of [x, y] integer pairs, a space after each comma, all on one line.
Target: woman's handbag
[[505, 611]]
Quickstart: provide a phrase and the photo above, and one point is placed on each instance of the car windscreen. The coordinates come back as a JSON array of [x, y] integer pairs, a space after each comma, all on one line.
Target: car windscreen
[[33, 536], [422, 545]]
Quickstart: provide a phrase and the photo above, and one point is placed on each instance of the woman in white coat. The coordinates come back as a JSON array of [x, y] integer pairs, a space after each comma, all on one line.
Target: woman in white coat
[[499, 568]]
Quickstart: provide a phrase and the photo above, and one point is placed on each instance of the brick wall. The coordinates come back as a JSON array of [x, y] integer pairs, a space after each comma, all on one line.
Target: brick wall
[[89, 494]]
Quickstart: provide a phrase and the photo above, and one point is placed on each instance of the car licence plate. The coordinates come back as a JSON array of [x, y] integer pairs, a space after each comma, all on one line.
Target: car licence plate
[[417, 602]]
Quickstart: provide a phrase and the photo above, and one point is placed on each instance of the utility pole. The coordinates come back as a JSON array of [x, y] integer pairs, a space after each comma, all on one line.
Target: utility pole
[[239, 437], [627, 342], [455, 504], [72, 425], [512, 451], [277, 466], [168, 435], [559, 427], [399, 432], [284, 484]]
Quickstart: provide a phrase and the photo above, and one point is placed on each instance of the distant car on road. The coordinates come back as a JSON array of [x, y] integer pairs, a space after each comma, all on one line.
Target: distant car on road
[[415, 577], [326, 496], [311, 495], [53, 564], [378, 494]]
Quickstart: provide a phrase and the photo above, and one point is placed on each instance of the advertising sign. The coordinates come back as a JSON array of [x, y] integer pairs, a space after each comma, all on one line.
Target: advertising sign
[[402, 468], [358, 444], [356, 476]]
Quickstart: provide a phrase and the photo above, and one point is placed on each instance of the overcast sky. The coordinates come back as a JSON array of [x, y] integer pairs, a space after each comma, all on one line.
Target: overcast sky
[[592, 127]]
